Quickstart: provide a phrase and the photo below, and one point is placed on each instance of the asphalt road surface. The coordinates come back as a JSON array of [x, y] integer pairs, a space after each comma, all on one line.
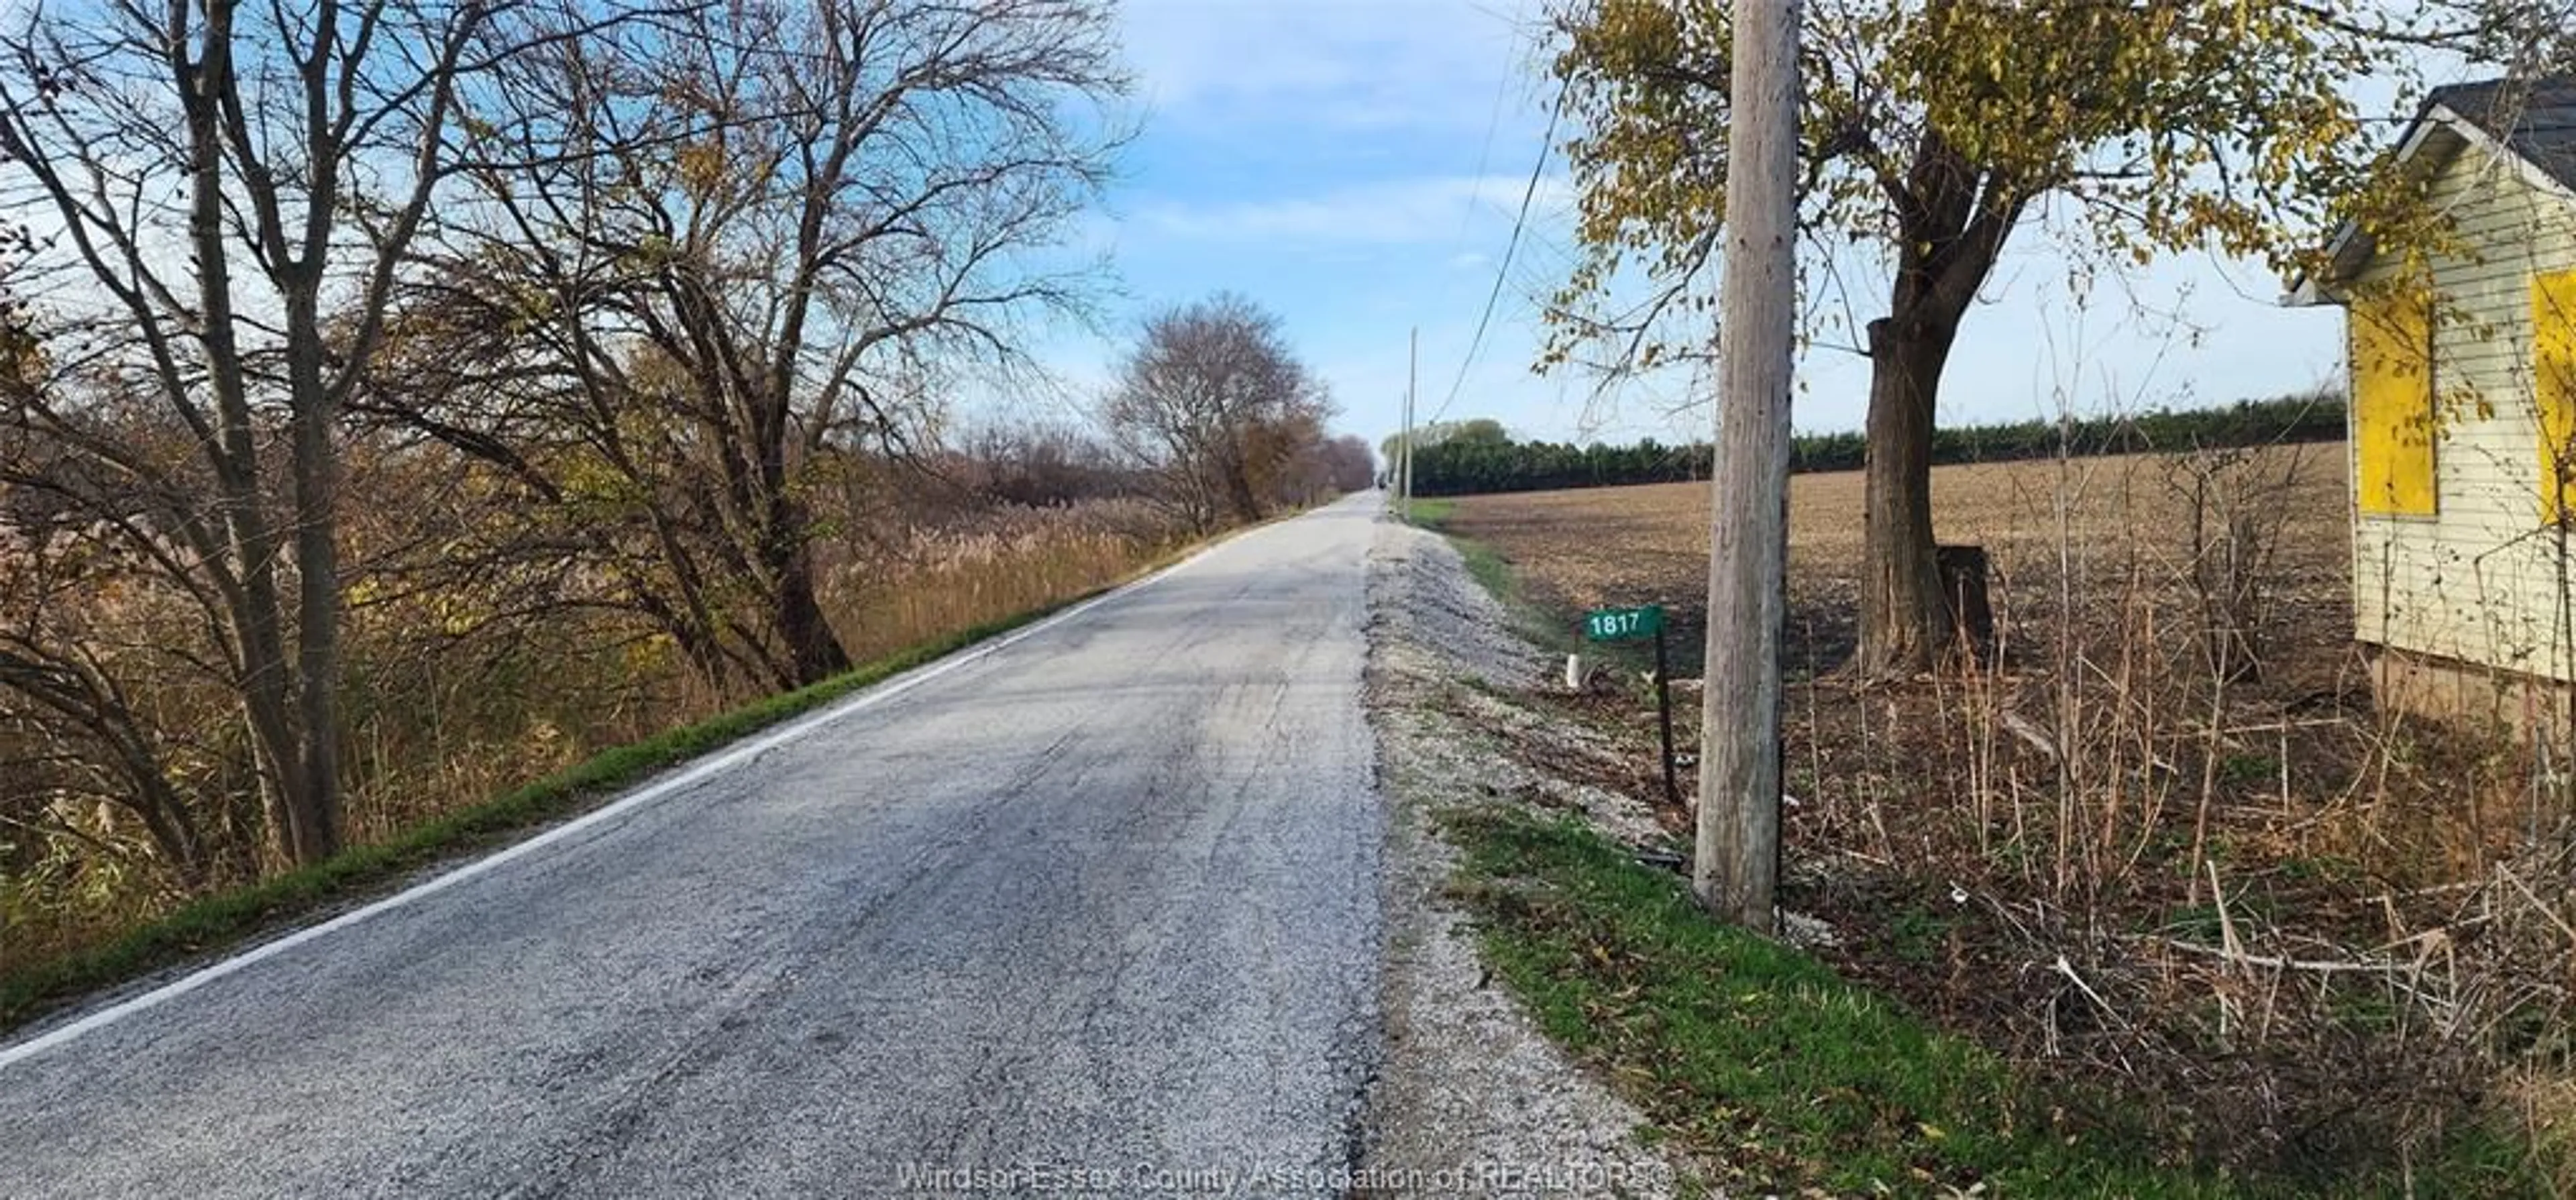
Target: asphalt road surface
[[1096, 911]]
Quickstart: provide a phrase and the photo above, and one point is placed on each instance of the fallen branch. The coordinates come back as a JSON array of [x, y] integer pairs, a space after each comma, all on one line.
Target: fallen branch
[[2226, 926], [2273, 962], [2544, 909], [2029, 731], [2067, 969]]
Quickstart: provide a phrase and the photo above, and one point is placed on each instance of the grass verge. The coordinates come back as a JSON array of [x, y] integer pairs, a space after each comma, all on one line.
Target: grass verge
[[1752, 1054], [1486, 564], [1493, 572], [230, 918], [1432, 514]]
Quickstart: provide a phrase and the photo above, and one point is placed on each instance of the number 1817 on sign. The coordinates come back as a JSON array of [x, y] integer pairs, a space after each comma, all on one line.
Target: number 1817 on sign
[[1623, 624]]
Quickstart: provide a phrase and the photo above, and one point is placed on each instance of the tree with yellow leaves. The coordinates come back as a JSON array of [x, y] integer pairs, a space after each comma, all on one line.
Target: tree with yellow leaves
[[1936, 130]]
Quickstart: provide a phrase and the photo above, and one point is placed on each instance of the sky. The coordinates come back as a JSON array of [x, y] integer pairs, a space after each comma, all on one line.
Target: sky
[[1355, 167]]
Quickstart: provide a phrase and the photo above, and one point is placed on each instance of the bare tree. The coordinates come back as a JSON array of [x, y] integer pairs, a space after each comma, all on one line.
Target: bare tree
[[718, 258], [1041, 464], [1348, 464], [1215, 400], [78, 620], [224, 195]]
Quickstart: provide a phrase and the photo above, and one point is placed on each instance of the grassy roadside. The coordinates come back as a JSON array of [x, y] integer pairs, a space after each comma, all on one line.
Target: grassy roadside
[[1750, 1053], [1486, 564], [227, 919], [1747, 1053]]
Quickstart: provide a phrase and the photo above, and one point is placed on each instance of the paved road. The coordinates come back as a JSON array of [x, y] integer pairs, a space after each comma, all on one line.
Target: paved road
[[1103, 900]]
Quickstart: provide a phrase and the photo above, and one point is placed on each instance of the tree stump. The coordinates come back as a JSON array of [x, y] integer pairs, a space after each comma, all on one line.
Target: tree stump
[[1963, 592]]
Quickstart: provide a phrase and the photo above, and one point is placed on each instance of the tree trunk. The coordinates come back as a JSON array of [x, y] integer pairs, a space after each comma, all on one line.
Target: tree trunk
[[280, 767], [315, 809], [254, 609], [1904, 625], [1236, 471], [1247, 508], [813, 650]]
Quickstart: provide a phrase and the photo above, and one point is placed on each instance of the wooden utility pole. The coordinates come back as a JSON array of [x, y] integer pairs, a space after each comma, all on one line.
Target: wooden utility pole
[[1738, 859], [1412, 357]]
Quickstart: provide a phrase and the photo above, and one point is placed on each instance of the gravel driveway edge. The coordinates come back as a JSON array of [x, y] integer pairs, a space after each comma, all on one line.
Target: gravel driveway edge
[[1471, 1098]]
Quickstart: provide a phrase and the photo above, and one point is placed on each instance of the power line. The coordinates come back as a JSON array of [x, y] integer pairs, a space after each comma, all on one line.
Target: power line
[[1502, 271], [1485, 153]]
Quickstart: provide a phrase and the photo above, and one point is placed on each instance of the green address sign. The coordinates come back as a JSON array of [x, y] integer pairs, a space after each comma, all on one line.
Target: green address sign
[[1623, 624]]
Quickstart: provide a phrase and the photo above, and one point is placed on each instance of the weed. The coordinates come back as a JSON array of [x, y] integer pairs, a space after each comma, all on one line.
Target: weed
[[2243, 769], [2217, 862], [1915, 934]]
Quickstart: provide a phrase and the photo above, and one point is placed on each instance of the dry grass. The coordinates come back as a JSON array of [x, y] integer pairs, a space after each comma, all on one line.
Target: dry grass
[[930, 581], [463, 736], [435, 735], [2303, 936]]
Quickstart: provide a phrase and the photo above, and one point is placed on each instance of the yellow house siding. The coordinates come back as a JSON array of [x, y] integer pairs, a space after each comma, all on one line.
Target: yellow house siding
[[2480, 578]]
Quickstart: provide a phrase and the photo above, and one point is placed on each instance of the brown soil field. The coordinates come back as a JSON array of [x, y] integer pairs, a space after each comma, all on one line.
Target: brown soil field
[[2250, 909], [2124, 515]]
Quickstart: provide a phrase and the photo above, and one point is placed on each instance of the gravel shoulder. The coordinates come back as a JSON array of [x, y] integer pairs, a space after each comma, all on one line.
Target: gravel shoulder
[[1471, 1097]]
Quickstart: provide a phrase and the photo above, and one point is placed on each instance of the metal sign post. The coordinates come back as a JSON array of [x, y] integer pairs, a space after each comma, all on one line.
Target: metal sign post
[[1664, 714], [1632, 624]]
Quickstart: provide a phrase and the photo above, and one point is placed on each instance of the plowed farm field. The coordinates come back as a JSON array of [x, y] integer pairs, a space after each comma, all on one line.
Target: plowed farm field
[[2118, 531]]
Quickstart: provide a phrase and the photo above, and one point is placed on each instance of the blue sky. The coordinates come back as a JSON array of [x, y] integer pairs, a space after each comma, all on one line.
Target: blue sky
[[1355, 167]]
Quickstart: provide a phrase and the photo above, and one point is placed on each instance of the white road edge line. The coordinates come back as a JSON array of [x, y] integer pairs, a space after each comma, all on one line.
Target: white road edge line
[[721, 761]]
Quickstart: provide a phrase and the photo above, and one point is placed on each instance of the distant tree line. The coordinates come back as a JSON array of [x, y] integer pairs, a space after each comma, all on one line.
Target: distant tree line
[[1453, 465]]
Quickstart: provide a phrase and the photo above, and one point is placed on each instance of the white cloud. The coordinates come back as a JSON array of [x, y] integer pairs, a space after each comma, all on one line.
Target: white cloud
[[1430, 209], [1334, 63]]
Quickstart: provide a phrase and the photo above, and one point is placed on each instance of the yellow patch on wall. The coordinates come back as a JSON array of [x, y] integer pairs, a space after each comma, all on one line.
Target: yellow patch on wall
[[2392, 403], [2553, 389]]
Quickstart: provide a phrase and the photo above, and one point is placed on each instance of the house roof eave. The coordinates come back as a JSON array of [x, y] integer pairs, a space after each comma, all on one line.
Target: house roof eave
[[2350, 248]]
